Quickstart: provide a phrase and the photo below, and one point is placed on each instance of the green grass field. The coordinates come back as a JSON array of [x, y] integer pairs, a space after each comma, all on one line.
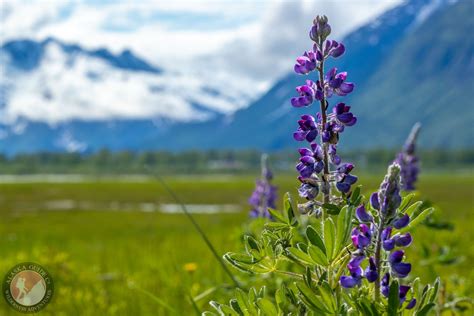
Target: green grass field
[[111, 254]]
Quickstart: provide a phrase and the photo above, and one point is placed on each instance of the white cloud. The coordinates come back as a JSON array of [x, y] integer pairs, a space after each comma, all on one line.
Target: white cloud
[[237, 48]]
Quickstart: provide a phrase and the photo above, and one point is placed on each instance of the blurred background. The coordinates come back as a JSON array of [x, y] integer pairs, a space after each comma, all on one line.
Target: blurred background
[[98, 98]]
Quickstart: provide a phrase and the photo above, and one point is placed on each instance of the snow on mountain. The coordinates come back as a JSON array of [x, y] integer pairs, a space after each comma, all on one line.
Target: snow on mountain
[[54, 82]]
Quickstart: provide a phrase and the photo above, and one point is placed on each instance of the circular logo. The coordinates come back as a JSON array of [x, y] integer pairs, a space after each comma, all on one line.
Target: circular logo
[[28, 287]]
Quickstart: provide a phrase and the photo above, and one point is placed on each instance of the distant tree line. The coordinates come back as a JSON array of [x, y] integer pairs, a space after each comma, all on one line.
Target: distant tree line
[[211, 161]]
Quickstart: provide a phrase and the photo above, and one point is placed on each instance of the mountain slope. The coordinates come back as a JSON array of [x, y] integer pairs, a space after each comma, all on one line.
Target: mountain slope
[[406, 69]]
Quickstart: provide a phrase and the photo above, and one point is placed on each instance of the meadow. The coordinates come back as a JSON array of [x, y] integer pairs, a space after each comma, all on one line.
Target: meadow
[[112, 251]]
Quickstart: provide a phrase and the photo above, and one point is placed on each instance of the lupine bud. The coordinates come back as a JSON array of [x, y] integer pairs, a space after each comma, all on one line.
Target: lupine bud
[[389, 192], [408, 161]]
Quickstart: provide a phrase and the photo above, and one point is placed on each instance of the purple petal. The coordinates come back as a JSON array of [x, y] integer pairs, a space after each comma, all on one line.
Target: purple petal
[[346, 87], [401, 222], [403, 240], [299, 135], [396, 256], [362, 215], [348, 282], [401, 269], [411, 304], [374, 201]]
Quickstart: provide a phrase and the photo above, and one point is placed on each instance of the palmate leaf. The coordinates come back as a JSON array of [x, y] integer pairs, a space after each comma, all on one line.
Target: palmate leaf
[[412, 209]]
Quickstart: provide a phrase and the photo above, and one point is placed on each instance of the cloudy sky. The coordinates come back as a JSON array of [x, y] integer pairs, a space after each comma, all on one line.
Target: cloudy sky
[[252, 38], [237, 48]]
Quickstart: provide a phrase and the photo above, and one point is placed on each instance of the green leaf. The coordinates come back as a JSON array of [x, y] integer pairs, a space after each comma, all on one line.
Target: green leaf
[[328, 297], [318, 255], [277, 226], [267, 307], [235, 306], [355, 195], [289, 208], [393, 299], [311, 299], [435, 290], [419, 219], [277, 216], [424, 311], [413, 208], [300, 255], [252, 247], [405, 201], [343, 228], [331, 208], [241, 298], [315, 238], [329, 238]]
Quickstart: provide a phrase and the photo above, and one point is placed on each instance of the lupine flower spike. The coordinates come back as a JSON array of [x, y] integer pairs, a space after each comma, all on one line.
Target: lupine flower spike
[[408, 160], [320, 168], [265, 194]]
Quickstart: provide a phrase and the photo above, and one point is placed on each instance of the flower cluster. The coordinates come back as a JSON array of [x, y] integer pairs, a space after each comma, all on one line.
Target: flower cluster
[[382, 223], [408, 160], [314, 168], [265, 194]]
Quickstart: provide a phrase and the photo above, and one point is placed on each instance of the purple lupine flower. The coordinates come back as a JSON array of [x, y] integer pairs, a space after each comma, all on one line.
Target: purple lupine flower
[[401, 222], [399, 268], [362, 214], [374, 201], [308, 190], [308, 62], [361, 236], [389, 198], [408, 161], [387, 242], [333, 157], [355, 272], [411, 304], [342, 114], [265, 194], [307, 129], [344, 179], [307, 95], [371, 272], [402, 240], [402, 293], [385, 284], [311, 160], [333, 49], [335, 83]]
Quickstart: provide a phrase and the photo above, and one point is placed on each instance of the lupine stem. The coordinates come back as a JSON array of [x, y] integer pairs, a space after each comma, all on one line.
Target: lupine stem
[[378, 249], [323, 124]]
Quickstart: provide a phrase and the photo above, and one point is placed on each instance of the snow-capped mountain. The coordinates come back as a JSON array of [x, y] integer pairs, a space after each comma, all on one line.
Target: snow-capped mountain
[[54, 82], [406, 63]]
